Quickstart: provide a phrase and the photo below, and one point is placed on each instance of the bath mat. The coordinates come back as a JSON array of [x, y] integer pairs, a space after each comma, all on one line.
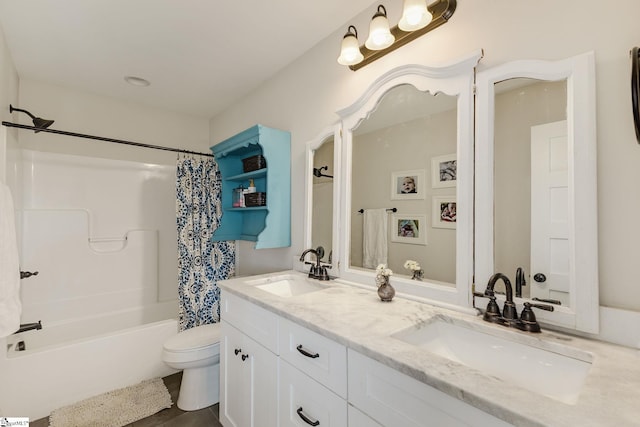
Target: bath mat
[[116, 408]]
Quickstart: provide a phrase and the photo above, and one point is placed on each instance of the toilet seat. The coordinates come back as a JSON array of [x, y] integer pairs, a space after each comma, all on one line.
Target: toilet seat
[[192, 339]]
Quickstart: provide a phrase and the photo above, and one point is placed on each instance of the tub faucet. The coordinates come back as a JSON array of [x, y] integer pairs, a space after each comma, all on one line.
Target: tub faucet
[[29, 326]]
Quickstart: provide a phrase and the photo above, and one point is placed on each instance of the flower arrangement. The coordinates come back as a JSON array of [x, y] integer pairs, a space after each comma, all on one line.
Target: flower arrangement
[[382, 270], [414, 266], [385, 290]]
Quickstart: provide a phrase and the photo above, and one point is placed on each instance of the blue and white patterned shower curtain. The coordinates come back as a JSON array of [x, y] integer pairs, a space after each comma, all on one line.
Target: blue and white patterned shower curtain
[[201, 262]]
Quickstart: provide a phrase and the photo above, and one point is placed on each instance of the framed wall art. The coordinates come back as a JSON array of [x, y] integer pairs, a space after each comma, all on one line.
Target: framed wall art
[[409, 228], [444, 171], [444, 212], [407, 185]]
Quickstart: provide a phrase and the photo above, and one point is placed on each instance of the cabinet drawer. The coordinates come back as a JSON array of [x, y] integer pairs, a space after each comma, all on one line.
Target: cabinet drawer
[[394, 399], [254, 321], [304, 402], [317, 356]]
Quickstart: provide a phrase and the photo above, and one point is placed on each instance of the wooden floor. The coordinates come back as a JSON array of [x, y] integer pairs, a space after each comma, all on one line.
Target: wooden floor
[[172, 417]]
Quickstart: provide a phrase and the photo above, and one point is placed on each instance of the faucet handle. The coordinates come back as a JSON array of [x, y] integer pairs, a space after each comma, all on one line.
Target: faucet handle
[[528, 319]]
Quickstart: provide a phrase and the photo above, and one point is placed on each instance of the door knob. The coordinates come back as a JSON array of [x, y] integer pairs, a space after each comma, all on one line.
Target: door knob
[[539, 277]]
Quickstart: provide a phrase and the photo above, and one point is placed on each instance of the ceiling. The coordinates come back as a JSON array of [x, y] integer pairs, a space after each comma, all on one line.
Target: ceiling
[[199, 55]]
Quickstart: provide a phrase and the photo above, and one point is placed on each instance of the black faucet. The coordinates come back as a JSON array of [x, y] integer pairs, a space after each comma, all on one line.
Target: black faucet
[[318, 270], [520, 282], [29, 326], [509, 316]]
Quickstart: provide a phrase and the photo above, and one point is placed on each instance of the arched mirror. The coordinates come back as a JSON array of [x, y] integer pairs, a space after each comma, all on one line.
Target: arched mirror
[[322, 172], [536, 206], [407, 192]]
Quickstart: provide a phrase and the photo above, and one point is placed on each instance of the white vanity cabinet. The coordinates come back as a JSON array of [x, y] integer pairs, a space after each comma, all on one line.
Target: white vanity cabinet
[[275, 372], [248, 365], [394, 399]]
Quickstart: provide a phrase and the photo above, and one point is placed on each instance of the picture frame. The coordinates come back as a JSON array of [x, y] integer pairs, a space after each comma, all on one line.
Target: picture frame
[[407, 185], [444, 212], [444, 171], [409, 228]]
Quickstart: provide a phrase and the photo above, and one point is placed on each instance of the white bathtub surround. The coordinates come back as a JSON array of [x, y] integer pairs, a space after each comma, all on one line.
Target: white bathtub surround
[[355, 317], [101, 233], [201, 262], [10, 305]]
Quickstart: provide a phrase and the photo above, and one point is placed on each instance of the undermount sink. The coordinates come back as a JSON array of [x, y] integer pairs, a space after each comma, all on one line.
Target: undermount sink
[[557, 372], [287, 285]]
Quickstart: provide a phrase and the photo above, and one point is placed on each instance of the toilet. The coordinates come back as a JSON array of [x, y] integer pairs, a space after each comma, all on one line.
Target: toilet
[[196, 352]]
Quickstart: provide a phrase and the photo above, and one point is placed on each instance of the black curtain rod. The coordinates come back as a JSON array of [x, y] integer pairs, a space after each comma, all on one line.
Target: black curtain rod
[[101, 138]]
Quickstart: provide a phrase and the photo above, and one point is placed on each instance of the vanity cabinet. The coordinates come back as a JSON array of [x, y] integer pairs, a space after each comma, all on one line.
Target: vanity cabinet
[[274, 372], [248, 365], [269, 226]]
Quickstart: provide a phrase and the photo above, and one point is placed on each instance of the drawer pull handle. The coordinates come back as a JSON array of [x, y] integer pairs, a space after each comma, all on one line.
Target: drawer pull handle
[[306, 353], [307, 419], [237, 350], [245, 357]]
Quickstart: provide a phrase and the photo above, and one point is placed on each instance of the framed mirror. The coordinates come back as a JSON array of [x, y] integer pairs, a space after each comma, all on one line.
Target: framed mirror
[[322, 171], [407, 187], [536, 204]]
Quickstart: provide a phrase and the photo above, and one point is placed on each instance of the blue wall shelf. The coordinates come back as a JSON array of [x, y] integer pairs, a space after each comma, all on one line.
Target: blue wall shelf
[[269, 226]]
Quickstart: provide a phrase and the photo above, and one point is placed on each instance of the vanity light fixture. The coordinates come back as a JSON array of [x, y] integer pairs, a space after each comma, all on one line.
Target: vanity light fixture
[[380, 36], [350, 52], [418, 18]]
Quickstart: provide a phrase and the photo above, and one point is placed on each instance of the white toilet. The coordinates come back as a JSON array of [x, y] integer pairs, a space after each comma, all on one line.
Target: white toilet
[[196, 352]]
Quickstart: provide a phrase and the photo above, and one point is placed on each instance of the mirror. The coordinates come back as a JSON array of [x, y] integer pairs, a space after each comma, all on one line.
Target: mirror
[[412, 122], [397, 148], [536, 185], [321, 174]]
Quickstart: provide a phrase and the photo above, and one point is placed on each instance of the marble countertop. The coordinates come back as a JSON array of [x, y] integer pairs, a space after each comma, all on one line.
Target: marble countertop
[[355, 316]]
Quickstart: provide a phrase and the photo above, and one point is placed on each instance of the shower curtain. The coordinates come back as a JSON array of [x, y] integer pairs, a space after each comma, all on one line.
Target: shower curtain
[[201, 262]]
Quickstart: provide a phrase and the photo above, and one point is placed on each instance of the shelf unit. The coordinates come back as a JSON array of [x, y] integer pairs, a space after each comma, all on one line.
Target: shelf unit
[[269, 226]]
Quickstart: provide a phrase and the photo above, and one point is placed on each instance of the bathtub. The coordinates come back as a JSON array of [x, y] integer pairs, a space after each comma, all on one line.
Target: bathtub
[[69, 361]]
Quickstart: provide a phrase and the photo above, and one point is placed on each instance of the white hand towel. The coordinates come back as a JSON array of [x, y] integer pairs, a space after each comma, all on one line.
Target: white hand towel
[[10, 306], [374, 238]]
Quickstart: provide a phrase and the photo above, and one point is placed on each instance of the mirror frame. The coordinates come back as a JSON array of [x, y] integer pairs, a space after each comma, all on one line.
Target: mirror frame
[[455, 79], [579, 72], [332, 131]]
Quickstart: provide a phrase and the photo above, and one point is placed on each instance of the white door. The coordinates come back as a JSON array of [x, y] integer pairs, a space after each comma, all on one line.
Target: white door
[[549, 212]]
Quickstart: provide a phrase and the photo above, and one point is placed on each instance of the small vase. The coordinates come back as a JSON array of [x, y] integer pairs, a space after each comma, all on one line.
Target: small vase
[[417, 275], [385, 290]]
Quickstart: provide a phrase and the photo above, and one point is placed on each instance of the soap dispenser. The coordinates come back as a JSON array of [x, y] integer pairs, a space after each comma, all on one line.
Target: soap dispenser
[[252, 187]]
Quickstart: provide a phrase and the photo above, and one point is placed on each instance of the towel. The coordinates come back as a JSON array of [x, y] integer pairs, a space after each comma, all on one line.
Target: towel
[[374, 238], [10, 306]]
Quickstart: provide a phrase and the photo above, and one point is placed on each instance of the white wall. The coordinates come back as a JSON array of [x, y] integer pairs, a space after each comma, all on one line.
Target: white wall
[[303, 97]]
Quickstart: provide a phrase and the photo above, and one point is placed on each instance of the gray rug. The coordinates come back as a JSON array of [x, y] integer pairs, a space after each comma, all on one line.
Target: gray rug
[[116, 408]]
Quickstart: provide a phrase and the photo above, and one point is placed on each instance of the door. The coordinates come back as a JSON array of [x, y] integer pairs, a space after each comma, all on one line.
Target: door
[[549, 212]]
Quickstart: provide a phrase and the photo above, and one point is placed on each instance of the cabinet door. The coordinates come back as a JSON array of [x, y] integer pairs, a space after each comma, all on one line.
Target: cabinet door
[[248, 381]]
